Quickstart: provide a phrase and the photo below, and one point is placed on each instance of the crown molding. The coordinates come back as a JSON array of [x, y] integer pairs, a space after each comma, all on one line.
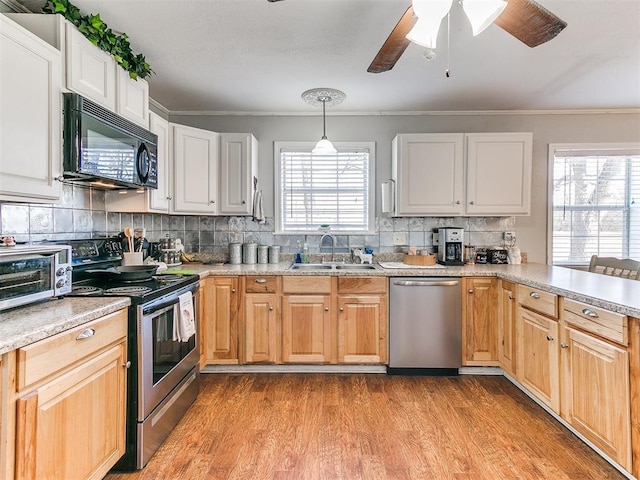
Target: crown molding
[[15, 6]]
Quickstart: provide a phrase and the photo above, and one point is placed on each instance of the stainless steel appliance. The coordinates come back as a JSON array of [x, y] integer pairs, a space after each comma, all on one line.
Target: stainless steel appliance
[[425, 331], [106, 150], [163, 379], [450, 250], [30, 273]]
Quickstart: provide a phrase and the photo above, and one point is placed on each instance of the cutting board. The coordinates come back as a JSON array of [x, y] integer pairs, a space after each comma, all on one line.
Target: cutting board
[[396, 265]]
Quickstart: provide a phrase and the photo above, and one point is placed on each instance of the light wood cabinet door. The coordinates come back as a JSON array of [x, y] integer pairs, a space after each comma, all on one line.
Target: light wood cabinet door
[[238, 168], [596, 392], [499, 173], [362, 328], [537, 363], [306, 329], [220, 316], [195, 170], [30, 116], [260, 335], [428, 169], [73, 427], [507, 308], [479, 317]]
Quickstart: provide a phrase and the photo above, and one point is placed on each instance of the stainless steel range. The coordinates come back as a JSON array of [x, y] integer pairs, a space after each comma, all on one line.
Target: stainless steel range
[[163, 380]]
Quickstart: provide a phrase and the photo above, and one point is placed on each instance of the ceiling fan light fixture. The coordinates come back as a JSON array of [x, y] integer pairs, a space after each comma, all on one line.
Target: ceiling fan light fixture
[[430, 14], [482, 13]]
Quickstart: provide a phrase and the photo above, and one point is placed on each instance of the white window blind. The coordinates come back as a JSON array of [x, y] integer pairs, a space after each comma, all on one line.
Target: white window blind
[[325, 189], [596, 200]]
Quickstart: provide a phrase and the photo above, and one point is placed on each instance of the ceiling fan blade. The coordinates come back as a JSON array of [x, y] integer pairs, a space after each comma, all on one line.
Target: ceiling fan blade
[[529, 22], [395, 44]]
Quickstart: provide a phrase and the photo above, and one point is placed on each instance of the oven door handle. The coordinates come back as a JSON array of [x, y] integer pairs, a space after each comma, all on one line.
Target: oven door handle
[[160, 309]]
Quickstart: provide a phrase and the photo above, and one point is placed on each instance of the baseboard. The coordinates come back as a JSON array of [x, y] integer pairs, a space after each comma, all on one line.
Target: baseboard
[[294, 369]]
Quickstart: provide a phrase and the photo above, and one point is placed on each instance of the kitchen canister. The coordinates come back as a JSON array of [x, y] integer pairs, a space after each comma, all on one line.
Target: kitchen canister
[[235, 253], [274, 254], [249, 253], [263, 253]]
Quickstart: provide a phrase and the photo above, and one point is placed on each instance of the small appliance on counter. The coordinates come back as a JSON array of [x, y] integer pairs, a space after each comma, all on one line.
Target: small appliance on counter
[[450, 247], [497, 255]]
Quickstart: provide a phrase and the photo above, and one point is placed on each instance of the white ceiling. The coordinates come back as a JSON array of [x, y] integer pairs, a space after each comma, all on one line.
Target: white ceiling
[[257, 56]]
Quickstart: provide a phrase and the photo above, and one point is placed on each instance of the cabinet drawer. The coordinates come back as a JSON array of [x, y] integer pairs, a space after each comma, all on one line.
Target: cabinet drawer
[[306, 284], [261, 284], [362, 284], [609, 325], [41, 359], [537, 300]]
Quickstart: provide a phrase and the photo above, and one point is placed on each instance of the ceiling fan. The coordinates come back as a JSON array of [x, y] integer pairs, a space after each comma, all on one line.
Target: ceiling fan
[[526, 20]]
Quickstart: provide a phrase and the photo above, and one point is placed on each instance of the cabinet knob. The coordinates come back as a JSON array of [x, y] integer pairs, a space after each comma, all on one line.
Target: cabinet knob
[[341, 309], [270, 307], [534, 295], [550, 338], [169, 198], [233, 290], [326, 309], [511, 297], [471, 202], [458, 202], [589, 313], [212, 201], [564, 345], [244, 202], [469, 291], [127, 365]]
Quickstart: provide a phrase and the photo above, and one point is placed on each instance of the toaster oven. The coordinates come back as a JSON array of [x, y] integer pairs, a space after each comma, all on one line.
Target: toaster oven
[[30, 273]]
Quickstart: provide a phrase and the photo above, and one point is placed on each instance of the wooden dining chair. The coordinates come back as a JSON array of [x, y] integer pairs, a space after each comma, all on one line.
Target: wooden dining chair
[[617, 267]]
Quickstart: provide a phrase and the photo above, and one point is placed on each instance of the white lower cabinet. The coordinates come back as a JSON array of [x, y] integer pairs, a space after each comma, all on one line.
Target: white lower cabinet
[[30, 116]]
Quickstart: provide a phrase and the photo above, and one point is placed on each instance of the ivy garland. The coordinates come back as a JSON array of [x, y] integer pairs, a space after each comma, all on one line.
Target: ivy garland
[[102, 36]]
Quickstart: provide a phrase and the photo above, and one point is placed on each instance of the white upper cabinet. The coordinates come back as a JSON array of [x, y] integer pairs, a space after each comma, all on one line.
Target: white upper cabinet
[[90, 71], [428, 171], [150, 200], [30, 116], [499, 173], [195, 170], [453, 174], [238, 167]]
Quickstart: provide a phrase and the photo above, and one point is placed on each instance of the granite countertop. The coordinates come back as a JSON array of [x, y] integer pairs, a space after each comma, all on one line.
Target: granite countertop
[[24, 325], [616, 294]]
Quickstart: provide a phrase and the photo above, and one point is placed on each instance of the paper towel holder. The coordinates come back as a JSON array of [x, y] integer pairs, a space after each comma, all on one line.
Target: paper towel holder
[[387, 196]]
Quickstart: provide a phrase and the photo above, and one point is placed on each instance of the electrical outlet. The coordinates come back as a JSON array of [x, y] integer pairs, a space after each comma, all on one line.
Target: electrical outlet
[[399, 238], [508, 236], [435, 238]]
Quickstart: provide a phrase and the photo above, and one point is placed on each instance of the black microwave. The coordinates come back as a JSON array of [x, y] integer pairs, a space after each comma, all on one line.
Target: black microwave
[[105, 150]]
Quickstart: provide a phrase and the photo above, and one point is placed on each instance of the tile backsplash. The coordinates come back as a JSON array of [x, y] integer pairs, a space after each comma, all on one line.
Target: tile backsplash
[[83, 214]]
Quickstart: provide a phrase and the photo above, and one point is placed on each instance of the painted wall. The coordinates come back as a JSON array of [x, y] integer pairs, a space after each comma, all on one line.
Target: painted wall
[[546, 128]]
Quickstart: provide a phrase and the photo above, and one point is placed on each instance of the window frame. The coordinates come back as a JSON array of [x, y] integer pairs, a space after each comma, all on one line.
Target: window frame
[[623, 147], [370, 147]]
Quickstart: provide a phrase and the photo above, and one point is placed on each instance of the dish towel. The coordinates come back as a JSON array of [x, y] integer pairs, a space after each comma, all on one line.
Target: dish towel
[[258, 212], [185, 325]]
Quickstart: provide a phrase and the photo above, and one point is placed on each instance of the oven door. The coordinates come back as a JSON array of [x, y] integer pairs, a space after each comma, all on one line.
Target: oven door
[[25, 279], [163, 362]]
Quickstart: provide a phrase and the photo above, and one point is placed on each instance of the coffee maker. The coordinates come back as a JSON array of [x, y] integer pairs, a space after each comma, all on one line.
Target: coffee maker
[[450, 248]]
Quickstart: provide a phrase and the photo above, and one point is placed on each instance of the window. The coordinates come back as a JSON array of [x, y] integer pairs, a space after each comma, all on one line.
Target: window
[[312, 190], [595, 202]]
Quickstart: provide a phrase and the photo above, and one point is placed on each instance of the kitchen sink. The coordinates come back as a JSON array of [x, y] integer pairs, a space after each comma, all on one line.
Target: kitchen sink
[[331, 266]]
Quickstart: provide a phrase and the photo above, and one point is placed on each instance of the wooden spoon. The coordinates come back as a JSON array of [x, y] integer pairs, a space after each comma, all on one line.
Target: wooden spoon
[[128, 232]]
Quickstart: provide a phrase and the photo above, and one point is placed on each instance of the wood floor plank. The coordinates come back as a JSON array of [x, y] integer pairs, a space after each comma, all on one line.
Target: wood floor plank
[[370, 427]]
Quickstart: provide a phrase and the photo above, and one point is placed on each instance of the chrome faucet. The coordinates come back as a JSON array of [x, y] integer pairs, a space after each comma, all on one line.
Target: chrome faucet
[[333, 243]]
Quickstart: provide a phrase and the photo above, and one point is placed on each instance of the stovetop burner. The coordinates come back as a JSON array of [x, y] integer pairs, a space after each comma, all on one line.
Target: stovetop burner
[[86, 290], [128, 290]]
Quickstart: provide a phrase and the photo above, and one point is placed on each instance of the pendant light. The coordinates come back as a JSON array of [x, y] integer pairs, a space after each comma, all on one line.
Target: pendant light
[[325, 97]]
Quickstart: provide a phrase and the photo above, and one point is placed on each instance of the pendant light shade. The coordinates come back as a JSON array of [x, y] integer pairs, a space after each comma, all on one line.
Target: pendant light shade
[[482, 13], [430, 14], [325, 97]]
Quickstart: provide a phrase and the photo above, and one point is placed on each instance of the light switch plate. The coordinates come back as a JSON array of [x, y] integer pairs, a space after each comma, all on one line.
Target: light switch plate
[[399, 238]]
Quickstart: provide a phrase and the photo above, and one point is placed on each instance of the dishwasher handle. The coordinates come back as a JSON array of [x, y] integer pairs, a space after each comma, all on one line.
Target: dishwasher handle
[[426, 283]]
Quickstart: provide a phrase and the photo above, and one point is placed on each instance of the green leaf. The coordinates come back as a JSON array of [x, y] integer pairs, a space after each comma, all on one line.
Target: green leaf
[[96, 21]]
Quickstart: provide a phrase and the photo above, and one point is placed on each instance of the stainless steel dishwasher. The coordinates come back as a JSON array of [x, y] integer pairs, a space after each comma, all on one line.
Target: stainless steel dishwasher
[[425, 327]]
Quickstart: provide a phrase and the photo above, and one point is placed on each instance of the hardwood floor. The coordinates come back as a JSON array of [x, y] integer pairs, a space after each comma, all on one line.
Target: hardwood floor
[[344, 426]]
